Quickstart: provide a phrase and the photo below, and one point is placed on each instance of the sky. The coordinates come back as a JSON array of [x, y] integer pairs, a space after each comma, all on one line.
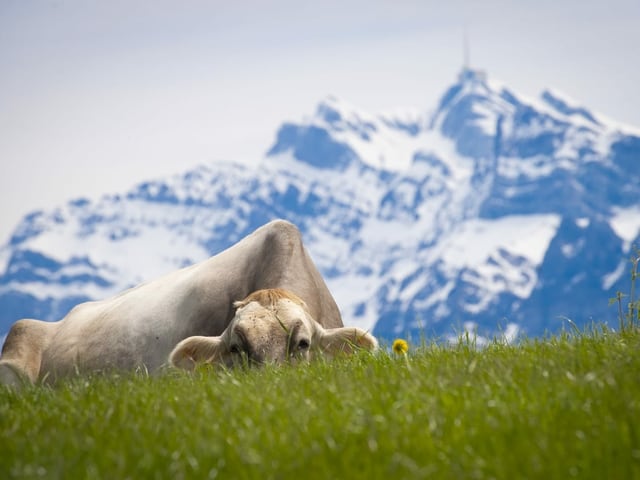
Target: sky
[[96, 96]]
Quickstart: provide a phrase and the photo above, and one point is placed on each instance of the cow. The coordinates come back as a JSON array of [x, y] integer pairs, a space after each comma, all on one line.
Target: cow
[[261, 300]]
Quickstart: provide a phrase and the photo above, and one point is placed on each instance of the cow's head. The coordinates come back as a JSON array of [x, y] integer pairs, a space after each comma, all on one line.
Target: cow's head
[[270, 326]]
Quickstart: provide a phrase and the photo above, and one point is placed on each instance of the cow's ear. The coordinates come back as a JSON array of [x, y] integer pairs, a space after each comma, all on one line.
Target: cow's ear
[[345, 340], [193, 351]]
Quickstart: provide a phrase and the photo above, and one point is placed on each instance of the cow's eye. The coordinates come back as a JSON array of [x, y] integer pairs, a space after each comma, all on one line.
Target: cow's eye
[[235, 349], [303, 344]]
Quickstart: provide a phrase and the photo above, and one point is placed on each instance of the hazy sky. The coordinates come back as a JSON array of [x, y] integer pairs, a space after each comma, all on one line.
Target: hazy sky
[[98, 95]]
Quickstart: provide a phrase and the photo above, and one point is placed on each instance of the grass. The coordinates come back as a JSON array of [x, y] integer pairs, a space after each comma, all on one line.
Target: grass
[[562, 407], [629, 316]]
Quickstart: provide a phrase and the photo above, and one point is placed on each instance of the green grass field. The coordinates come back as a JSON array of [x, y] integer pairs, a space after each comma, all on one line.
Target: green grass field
[[563, 407]]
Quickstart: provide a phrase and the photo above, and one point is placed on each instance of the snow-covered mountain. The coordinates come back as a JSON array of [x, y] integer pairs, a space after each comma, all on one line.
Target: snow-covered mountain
[[496, 212]]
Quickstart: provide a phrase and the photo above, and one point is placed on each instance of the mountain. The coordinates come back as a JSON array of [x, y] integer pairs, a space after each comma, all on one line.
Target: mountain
[[497, 213]]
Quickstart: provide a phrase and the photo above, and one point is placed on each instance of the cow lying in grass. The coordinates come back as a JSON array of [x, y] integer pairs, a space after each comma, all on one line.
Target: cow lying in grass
[[261, 300]]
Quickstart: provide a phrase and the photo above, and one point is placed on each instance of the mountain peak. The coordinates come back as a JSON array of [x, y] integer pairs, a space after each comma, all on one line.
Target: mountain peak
[[469, 76], [471, 83], [311, 142], [339, 135]]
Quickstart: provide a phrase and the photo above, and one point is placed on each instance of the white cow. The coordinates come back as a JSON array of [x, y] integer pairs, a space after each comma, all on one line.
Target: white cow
[[261, 300]]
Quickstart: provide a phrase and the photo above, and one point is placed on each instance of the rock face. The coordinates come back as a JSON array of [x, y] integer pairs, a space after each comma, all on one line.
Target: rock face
[[497, 212]]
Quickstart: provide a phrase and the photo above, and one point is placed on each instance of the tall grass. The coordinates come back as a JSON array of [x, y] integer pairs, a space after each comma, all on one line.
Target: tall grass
[[629, 317], [562, 407]]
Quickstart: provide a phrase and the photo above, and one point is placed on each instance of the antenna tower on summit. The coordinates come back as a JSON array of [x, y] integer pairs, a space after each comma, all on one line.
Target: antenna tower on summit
[[467, 74]]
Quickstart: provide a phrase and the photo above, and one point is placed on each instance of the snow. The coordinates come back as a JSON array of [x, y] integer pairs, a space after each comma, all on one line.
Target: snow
[[403, 116], [610, 279], [329, 250], [348, 291], [381, 234], [438, 145], [523, 237], [487, 118], [575, 117], [386, 145], [374, 139], [397, 239], [583, 222], [600, 135], [570, 250], [439, 296], [487, 250], [609, 124], [476, 240], [540, 105], [148, 253], [539, 125], [625, 222], [534, 167], [576, 138]]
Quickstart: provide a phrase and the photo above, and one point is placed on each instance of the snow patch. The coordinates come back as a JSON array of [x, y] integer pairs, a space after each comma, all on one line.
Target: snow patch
[[348, 293], [626, 224], [583, 222], [378, 141], [477, 240], [610, 279], [532, 167], [154, 250], [568, 250]]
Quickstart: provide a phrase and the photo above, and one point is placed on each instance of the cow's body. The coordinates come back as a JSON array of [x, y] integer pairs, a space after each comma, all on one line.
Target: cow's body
[[139, 327]]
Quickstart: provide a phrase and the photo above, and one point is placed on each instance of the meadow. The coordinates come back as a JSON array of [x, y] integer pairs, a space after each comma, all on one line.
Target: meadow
[[566, 406]]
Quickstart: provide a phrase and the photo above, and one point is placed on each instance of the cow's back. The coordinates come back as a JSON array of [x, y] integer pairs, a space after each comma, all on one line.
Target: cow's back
[[136, 328]]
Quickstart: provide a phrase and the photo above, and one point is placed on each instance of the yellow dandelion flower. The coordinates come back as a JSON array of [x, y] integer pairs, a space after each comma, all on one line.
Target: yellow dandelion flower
[[400, 347]]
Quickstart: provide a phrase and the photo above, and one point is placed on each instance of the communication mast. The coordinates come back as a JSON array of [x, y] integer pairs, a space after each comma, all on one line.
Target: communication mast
[[467, 73]]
